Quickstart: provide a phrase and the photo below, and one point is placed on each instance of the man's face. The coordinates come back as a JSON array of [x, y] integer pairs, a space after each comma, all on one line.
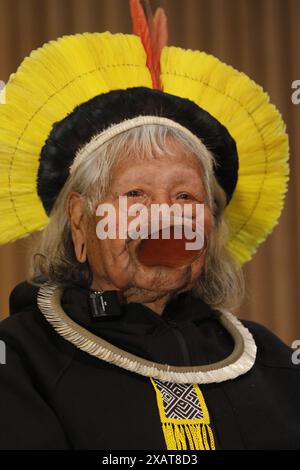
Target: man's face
[[161, 180]]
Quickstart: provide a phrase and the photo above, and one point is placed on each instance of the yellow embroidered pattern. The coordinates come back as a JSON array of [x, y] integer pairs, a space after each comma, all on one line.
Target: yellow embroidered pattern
[[184, 416]]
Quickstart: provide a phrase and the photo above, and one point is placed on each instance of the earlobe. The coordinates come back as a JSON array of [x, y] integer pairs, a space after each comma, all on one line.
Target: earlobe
[[76, 205], [80, 252]]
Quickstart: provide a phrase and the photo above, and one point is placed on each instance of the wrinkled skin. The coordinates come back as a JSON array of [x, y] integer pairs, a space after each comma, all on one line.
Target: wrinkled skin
[[114, 264]]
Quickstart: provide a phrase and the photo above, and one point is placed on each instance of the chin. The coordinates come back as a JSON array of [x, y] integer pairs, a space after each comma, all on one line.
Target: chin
[[135, 294], [160, 280]]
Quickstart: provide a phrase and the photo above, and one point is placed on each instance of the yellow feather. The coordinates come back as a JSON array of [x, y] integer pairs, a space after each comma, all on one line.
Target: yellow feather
[[258, 129], [47, 86]]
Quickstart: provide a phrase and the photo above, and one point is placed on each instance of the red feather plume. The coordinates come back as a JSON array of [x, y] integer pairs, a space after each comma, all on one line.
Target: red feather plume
[[153, 31]]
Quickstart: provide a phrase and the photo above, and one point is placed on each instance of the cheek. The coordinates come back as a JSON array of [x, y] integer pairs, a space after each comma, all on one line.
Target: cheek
[[197, 265], [94, 248]]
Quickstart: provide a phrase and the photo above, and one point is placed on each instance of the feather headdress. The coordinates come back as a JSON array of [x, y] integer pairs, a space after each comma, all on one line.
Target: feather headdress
[[88, 76]]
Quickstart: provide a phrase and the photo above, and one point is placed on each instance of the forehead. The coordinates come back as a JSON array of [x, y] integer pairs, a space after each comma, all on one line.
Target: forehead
[[173, 161]]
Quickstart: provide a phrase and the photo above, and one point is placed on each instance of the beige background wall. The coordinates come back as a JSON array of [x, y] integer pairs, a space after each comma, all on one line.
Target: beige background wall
[[260, 37]]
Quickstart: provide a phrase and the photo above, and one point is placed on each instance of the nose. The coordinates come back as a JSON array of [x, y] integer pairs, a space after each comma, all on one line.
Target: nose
[[161, 196]]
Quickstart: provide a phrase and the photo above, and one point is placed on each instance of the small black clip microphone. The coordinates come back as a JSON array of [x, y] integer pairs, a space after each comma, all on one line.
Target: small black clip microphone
[[104, 304]]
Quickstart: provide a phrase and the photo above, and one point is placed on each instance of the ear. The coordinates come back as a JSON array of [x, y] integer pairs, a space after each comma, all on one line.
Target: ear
[[76, 213]]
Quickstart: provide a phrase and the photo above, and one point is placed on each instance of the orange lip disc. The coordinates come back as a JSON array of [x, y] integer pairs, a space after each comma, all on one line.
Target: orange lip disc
[[165, 252]]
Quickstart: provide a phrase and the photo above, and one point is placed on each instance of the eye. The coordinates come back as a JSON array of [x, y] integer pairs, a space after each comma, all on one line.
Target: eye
[[184, 196], [135, 193]]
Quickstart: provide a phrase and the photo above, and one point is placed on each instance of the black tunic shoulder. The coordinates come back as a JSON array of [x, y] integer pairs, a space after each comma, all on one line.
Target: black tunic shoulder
[[55, 396]]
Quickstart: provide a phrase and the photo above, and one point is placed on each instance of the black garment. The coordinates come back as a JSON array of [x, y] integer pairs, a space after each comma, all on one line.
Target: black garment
[[55, 396]]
